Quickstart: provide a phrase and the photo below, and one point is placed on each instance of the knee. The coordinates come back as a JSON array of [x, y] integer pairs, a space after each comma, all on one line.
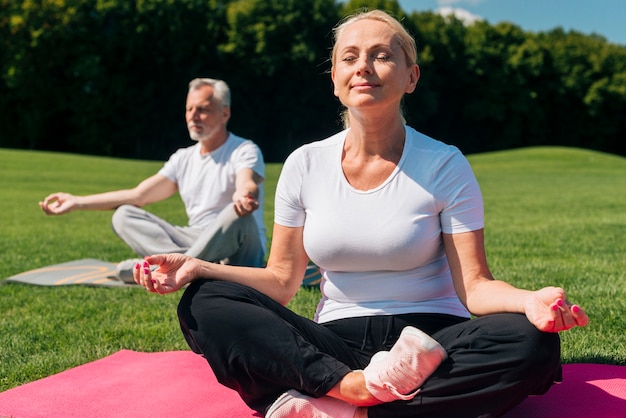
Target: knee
[[206, 304], [210, 309], [533, 342], [210, 305], [538, 351], [543, 360], [545, 349], [121, 216], [187, 320]]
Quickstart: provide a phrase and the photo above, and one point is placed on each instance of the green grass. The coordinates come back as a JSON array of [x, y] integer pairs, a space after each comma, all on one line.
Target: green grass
[[554, 216]]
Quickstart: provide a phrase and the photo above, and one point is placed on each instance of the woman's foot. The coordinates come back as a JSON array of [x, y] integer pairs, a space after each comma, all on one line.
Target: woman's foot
[[400, 372], [293, 404]]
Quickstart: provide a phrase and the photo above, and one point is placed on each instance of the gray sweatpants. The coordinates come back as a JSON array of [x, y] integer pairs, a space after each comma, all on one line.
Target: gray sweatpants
[[232, 237]]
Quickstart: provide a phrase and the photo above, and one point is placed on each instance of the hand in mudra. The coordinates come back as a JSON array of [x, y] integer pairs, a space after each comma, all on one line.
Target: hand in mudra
[[174, 271], [550, 311]]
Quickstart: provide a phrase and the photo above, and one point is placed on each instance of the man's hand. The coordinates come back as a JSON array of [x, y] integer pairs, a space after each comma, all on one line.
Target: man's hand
[[58, 203], [246, 204]]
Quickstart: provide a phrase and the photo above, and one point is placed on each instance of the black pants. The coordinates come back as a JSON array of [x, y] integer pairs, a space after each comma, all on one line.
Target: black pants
[[261, 349]]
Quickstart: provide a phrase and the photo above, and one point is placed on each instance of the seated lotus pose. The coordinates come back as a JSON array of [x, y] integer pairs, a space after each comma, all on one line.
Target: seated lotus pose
[[220, 181], [394, 219]]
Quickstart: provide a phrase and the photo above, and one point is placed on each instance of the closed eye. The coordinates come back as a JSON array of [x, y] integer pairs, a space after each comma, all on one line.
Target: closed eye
[[382, 57]]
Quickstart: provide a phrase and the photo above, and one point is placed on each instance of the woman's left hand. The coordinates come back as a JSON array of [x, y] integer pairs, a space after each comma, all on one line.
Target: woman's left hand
[[550, 311]]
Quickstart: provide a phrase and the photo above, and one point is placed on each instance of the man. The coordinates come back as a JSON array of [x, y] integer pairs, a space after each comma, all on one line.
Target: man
[[220, 181]]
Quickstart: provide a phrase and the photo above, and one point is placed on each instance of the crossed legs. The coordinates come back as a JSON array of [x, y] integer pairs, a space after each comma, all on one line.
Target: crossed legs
[[228, 237], [261, 349]]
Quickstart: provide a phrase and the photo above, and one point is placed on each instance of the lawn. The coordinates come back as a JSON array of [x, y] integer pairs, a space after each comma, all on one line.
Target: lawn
[[554, 216]]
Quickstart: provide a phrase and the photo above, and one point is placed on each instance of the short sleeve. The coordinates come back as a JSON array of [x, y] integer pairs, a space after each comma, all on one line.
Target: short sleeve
[[288, 208], [460, 195], [248, 155], [171, 168]]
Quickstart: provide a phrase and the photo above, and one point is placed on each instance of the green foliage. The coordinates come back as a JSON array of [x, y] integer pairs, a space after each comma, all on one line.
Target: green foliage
[[276, 55], [390, 6], [96, 76], [488, 87], [109, 77]]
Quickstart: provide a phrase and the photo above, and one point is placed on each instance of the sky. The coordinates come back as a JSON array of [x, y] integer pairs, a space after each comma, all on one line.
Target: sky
[[602, 17]]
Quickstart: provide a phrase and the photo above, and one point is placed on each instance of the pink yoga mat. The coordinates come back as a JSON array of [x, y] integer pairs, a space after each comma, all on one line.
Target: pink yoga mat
[[181, 384], [174, 384]]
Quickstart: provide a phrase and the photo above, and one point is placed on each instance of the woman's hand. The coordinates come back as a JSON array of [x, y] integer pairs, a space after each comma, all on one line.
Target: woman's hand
[[174, 271], [550, 311]]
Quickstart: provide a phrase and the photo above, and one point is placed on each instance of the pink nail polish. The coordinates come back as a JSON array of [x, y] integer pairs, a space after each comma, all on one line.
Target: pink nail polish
[[146, 271], [575, 309], [555, 307], [559, 302], [153, 281], [136, 266]]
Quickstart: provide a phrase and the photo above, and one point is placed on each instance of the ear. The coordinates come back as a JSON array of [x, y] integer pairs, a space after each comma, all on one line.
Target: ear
[[414, 76], [332, 77], [226, 113]]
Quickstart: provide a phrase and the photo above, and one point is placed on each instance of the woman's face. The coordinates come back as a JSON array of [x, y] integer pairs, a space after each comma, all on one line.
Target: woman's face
[[370, 67]]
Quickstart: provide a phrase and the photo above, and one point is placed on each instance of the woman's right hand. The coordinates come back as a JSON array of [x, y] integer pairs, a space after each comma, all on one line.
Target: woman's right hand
[[174, 271]]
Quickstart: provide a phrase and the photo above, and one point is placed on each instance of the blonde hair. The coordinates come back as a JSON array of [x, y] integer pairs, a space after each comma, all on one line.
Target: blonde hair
[[407, 42]]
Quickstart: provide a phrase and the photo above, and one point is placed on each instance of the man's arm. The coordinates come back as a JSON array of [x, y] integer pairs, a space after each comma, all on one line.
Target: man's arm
[[246, 193], [152, 189]]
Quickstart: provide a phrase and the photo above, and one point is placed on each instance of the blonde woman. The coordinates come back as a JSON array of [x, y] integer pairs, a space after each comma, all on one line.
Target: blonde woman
[[395, 221]]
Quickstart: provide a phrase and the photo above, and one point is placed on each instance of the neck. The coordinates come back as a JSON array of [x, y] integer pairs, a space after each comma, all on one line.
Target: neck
[[369, 137], [213, 142]]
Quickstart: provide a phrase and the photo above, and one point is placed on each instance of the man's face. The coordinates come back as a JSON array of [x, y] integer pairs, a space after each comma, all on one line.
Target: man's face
[[205, 115]]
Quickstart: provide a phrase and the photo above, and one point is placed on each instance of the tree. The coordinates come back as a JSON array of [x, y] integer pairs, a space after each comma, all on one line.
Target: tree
[[390, 6], [277, 55], [437, 104], [110, 77], [106, 77]]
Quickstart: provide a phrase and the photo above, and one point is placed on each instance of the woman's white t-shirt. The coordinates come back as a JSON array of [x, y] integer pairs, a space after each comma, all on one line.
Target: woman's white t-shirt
[[380, 251]]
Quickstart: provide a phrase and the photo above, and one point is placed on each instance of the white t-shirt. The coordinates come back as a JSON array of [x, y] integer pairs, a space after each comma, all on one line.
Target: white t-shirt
[[206, 183], [380, 251]]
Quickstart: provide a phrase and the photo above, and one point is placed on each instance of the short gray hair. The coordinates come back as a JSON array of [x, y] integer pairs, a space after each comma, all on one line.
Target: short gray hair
[[221, 89]]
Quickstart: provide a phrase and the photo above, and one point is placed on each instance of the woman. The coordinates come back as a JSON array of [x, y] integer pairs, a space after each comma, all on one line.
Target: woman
[[395, 221]]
